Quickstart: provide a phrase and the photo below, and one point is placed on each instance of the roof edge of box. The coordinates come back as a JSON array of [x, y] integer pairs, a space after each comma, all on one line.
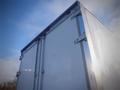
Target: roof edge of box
[[76, 3]]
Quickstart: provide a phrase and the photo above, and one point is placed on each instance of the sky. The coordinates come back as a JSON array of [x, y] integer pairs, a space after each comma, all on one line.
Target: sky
[[22, 20]]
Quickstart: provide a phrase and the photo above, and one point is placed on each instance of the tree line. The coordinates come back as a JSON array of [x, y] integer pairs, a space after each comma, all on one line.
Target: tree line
[[8, 86]]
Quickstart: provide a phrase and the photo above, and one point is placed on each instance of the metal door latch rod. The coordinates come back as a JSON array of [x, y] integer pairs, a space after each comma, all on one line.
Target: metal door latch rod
[[80, 39]]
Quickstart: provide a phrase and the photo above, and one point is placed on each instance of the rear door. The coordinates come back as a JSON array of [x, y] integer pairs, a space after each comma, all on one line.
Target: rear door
[[64, 67], [27, 68]]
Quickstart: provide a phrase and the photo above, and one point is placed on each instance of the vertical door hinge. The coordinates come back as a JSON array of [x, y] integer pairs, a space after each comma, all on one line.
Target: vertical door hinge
[[81, 38], [21, 57], [18, 74]]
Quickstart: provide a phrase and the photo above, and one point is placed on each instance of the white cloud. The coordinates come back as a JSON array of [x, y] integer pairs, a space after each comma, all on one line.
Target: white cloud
[[8, 69], [58, 6], [107, 11], [46, 11], [42, 15]]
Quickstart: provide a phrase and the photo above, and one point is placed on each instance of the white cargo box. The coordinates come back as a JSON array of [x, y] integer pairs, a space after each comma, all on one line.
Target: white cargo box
[[65, 56]]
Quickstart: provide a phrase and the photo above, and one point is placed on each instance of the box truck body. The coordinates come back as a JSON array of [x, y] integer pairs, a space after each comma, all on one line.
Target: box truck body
[[64, 56]]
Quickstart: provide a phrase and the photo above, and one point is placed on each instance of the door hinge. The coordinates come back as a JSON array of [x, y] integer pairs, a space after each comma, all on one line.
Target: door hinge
[[18, 74], [80, 39], [21, 57]]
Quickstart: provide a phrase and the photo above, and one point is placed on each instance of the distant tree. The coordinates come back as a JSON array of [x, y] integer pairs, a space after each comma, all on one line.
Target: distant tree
[[8, 85]]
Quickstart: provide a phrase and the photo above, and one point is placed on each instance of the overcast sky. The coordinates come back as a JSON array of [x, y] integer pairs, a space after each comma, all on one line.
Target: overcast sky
[[22, 20]]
